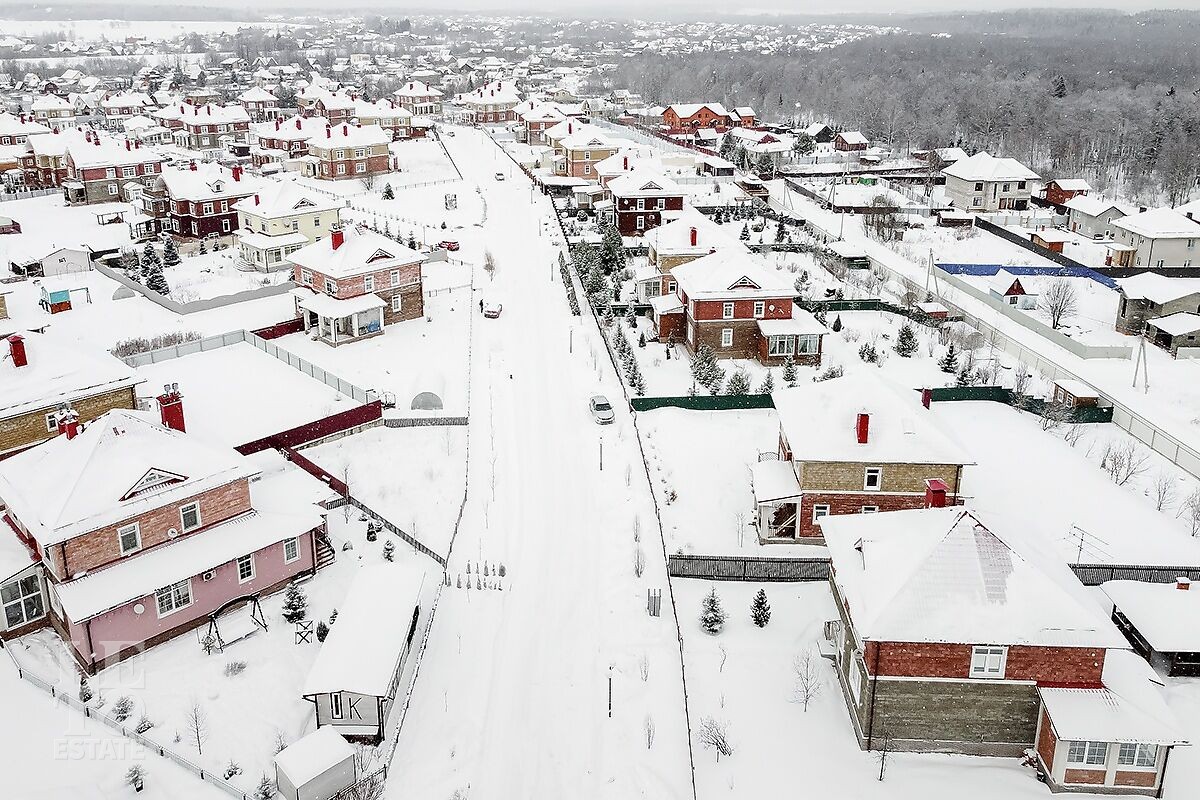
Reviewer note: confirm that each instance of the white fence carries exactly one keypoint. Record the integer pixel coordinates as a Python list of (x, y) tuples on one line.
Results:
[(195, 305), (234, 337), (27, 193)]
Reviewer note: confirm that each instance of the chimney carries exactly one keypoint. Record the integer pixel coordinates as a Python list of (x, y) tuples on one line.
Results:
[(298, 125), (1183, 584), (16, 349), (935, 493), (96, 141), (68, 423), (256, 201), (625, 163), (137, 145), (336, 237), (170, 408), (863, 427), (926, 397), (192, 166), (345, 130), (128, 146), (693, 237), (1188, 214), (237, 172)]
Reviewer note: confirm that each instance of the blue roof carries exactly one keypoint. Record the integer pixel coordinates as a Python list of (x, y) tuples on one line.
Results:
[(992, 269)]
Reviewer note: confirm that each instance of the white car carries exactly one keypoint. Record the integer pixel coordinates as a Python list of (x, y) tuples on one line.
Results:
[(493, 310), (602, 410), (499, 176)]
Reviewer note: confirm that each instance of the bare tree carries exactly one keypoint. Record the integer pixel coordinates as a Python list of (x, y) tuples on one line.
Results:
[(489, 264), (648, 727), (807, 679), (885, 754), (1190, 510), (1073, 433), (1123, 462), (1163, 490), (639, 561), (1021, 377), (1054, 414), (346, 480), (196, 724), (882, 218), (644, 667), (714, 735), (1060, 301)]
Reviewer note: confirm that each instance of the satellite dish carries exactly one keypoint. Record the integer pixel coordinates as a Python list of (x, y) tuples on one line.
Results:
[(138, 608), (172, 533)]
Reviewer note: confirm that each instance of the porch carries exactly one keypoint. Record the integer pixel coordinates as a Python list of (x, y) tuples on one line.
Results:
[(777, 499), (264, 253), (337, 322)]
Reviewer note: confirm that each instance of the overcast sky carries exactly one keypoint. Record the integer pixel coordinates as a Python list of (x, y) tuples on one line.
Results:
[(710, 7)]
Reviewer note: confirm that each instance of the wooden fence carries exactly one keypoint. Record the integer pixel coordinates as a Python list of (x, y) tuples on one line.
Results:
[(748, 568), (1096, 574)]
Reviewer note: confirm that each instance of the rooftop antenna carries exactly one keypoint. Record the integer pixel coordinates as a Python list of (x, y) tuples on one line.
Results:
[(1081, 539)]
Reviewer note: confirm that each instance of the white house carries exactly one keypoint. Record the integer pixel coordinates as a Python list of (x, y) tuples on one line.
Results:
[(1157, 238), (984, 183)]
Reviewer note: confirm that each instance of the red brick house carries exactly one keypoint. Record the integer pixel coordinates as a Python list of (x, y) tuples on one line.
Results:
[(349, 151), (494, 103), (198, 200), (260, 104), (953, 636), (689, 236), (880, 452), (210, 127), (106, 170), (137, 533), (353, 283), (419, 99), (336, 107), (740, 308), (1061, 190), (691, 116), (283, 139), (642, 201)]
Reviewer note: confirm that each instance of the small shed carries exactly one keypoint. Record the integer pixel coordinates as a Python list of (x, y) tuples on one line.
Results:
[(1008, 289), (950, 218), (850, 255), (316, 767), (1050, 238), (934, 310), (1161, 622), (1177, 333), (9, 225), (1074, 394)]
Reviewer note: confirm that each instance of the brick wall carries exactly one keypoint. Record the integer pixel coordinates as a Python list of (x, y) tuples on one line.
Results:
[(355, 285), (1046, 742), (1044, 665), (101, 547), (745, 337), (28, 429), (412, 304), (848, 503), (1095, 776), (848, 477), (714, 310), (1129, 778)]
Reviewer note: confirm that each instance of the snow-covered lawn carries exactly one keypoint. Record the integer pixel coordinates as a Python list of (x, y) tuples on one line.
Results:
[(236, 394), (202, 277), (1093, 319), (959, 246), (419, 161), (419, 355), (48, 223), (420, 491), (246, 713)]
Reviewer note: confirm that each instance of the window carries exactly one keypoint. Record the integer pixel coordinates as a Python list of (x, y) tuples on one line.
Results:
[(360, 167), (174, 597), (130, 538), (128, 172), (1191, 243), (873, 479), (335, 705), (760, 309), (360, 153), (395, 277), (727, 311), (641, 204), (1137, 755), (189, 516), (396, 301), (291, 550), (781, 345), (52, 422), (22, 601), (671, 287), (587, 169), (1020, 184), (869, 509), (112, 189), (727, 337), (976, 201), (819, 511), (854, 677), (245, 568), (662, 204), (341, 169), (225, 226), (208, 208), (369, 283), (306, 277), (340, 154), (110, 173), (330, 286), (988, 662), (641, 222), (979, 187), (1091, 753), (1005, 189), (808, 343)]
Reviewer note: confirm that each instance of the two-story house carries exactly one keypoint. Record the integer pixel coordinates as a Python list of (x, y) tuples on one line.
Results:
[(336, 107), (957, 636), (260, 104), (117, 107), (15, 129), (45, 161), (141, 532), (198, 200), (740, 308), (353, 283), (39, 377), (395, 120), (880, 451), (211, 127), (984, 183), (53, 111), (281, 140), (419, 99), (349, 151), (577, 154), (689, 236), (279, 219), (106, 170), (1160, 237), (690, 116), (494, 103), (643, 201), (1089, 215)]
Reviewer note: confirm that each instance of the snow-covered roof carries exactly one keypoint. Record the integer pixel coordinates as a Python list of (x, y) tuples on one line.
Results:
[(819, 421), (325, 306), (291, 129), (417, 89), (11, 125), (183, 558), (942, 575), (685, 110), (361, 251), (105, 151), (212, 114), (853, 137), (1166, 617), (675, 237), (380, 109), (55, 374), (1093, 206), (986, 167), (208, 181), (122, 464), (847, 249), (1180, 323), (1072, 184), (50, 102), (276, 199), (643, 184), (347, 135), (364, 646), (1129, 708), (1003, 281), (1160, 223), (256, 94), (802, 323), (1157, 288), (312, 755), (730, 274), (773, 480)]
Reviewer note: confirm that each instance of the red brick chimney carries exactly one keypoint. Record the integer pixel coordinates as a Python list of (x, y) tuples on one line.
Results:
[(256, 201), (935, 493), (693, 237), (298, 125), (16, 349), (68, 423), (345, 130), (236, 172), (192, 166), (336, 237), (863, 427), (170, 408), (328, 132), (1182, 583), (128, 146)]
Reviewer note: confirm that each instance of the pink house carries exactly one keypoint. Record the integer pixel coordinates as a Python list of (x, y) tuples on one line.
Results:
[(140, 532)]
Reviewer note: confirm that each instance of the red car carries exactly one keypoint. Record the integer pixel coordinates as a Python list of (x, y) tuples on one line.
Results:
[(449, 244)]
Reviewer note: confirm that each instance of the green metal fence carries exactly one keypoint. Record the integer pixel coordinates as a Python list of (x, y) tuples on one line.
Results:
[(872, 304), (723, 402), (1034, 405)]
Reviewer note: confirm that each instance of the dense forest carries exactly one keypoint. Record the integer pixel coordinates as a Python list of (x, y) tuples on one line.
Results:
[(1112, 97)]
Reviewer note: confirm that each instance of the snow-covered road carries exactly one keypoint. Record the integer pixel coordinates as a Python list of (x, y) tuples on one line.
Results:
[(512, 698)]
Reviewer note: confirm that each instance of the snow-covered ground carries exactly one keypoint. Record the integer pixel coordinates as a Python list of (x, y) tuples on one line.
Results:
[(48, 223), (1093, 321), (201, 277)]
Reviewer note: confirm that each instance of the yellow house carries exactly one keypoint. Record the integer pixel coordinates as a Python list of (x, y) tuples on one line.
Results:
[(280, 219)]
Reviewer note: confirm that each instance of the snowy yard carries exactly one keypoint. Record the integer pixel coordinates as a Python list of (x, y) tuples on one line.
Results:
[(420, 492), (236, 394), (202, 277), (48, 223), (1094, 317)]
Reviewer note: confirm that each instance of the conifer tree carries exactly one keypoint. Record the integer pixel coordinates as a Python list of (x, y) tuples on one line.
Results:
[(837, 324), (633, 374), (789, 371), (760, 609), (768, 384), (712, 616), (295, 604), (949, 362), (906, 341), (170, 256), (739, 383), (155, 280), (388, 194)]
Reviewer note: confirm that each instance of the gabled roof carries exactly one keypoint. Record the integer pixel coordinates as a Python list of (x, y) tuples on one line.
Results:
[(1005, 283), (67, 487), (208, 181), (643, 184), (1071, 184), (284, 199), (942, 575), (685, 110), (55, 374), (853, 137), (675, 237), (1160, 223), (1157, 288), (1093, 206), (986, 167), (361, 251), (730, 274)]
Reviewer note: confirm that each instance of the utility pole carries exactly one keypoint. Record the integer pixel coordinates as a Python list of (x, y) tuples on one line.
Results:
[(1141, 365), (602, 454)]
